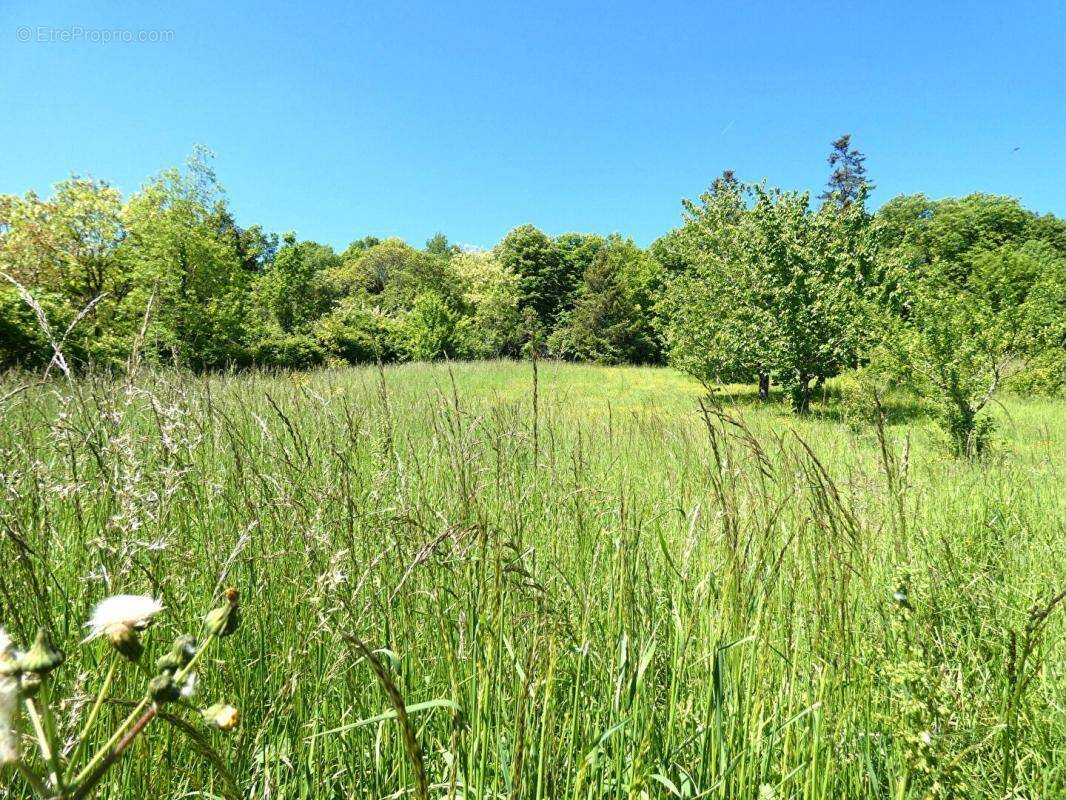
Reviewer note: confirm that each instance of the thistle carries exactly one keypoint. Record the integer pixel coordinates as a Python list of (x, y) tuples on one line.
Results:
[(179, 655), (163, 689)]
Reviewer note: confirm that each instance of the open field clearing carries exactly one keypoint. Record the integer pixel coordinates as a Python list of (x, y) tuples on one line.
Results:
[(618, 596)]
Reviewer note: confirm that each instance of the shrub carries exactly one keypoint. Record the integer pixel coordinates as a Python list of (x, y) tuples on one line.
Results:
[(435, 330), (289, 350), (359, 335)]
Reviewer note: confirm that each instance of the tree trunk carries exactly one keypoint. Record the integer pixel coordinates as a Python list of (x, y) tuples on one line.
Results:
[(764, 387), (963, 429), (801, 394)]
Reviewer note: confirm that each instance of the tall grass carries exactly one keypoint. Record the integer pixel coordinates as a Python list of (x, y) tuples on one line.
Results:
[(654, 595)]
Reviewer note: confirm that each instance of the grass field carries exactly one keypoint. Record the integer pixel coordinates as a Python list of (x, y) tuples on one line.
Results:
[(616, 597)]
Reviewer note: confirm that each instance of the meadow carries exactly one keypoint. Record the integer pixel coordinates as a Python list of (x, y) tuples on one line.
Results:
[(601, 584)]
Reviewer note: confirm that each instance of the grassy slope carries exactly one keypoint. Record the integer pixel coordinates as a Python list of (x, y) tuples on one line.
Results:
[(646, 606)]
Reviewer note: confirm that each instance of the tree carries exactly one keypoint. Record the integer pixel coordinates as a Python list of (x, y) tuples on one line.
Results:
[(952, 229), (434, 329), (716, 324), (775, 288), (394, 301), (725, 183), (360, 246), (438, 245), (576, 253), (848, 181), (490, 296), (66, 246), (23, 341), (610, 321), (531, 255), (291, 288), (392, 273), (359, 333), (972, 297), (188, 276)]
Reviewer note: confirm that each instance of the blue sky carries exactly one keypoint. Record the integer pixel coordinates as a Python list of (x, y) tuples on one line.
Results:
[(339, 120)]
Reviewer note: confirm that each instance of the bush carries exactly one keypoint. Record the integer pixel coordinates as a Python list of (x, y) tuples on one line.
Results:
[(435, 330), (359, 335), (1045, 375), (288, 350)]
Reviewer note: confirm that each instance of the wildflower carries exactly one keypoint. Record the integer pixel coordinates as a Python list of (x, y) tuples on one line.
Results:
[(119, 618), (222, 716), (116, 615), (222, 621)]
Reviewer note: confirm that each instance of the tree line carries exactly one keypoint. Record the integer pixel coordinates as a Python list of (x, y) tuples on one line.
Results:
[(757, 284)]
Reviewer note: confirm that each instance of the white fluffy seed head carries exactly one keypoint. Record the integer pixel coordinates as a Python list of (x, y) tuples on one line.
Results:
[(112, 614), (9, 703)]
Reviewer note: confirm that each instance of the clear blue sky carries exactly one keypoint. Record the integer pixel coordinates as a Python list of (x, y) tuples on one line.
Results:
[(339, 120)]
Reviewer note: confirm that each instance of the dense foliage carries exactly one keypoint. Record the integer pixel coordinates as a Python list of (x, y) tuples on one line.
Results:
[(953, 297)]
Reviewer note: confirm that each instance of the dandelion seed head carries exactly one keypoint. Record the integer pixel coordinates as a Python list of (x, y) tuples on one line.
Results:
[(114, 614)]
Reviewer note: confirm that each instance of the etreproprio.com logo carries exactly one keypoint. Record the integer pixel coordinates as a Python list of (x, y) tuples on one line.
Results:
[(45, 34)]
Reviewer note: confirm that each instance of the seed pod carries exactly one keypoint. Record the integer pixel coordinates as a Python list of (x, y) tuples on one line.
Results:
[(43, 657), (125, 639), (222, 716), (181, 653), (223, 621), (163, 689)]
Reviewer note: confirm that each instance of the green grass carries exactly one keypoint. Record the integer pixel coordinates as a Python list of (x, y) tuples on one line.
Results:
[(636, 601)]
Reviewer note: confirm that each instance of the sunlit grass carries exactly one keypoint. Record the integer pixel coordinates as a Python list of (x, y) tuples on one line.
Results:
[(644, 602)]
